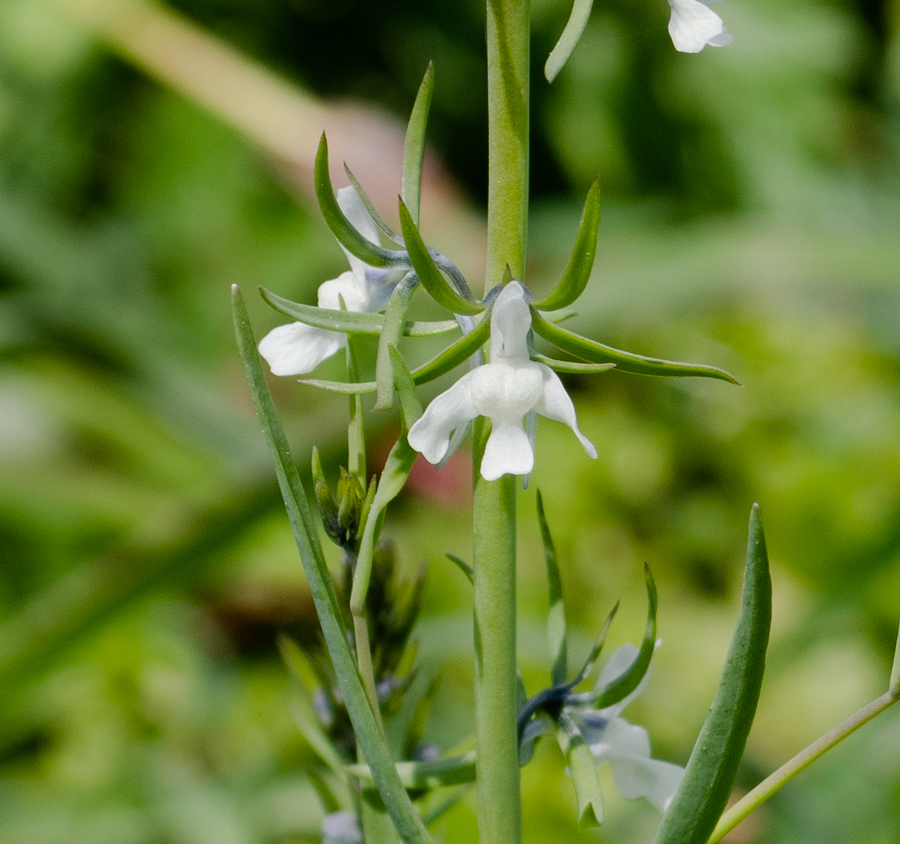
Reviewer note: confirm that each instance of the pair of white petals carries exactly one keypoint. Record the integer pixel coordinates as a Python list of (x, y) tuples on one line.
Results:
[(626, 747), (297, 348), (510, 391), (693, 25)]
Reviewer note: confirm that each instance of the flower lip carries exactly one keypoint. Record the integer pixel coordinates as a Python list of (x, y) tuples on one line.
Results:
[(508, 390), (693, 25)]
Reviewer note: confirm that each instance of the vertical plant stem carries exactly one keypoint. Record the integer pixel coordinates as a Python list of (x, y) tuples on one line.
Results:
[(496, 740), (508, 24), (499, 798)]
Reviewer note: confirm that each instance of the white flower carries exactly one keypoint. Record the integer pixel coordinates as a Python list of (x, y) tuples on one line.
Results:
[(693, 25), (625, 747), (506, 390), (297, 348)]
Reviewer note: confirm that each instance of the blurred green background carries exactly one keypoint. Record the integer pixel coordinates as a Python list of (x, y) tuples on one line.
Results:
[(751, 221)]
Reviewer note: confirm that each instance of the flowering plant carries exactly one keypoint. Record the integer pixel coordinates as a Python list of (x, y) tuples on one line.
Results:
[(365, 671)]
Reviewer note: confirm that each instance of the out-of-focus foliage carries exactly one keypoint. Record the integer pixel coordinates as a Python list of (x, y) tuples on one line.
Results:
[(751, 210)]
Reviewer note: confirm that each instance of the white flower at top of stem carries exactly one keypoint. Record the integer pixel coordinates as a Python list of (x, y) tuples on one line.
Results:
[(693, 25), (297, 348), (626, 747), (507, 390)]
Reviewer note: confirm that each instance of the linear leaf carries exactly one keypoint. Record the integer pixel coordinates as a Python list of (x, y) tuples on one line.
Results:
[(394, 320), (374, 749), (414, 145), (429, 274), (573, 367), (556, 615), (568, 41), (595, 352), (341, 227), (379, 221), (711, 770), (455, 770), (627, 682), (578, 271)]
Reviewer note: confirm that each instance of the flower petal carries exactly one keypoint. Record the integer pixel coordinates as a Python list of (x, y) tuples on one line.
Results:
[(556, 404), (346, 286), (296, 349), (693, 25), (644, 777), (507, 452), (430, 435), (510, 323)]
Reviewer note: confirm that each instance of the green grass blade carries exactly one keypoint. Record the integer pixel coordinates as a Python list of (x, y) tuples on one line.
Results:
[(578, 271), (414, 145), (365, 726), (711, 770)]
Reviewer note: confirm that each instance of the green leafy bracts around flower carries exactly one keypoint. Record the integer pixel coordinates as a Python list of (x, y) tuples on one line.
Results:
[(351, 322), (594, 352), (568, 41), (440, 364), (427, 270), (556, 614), (371, 742), (340, 226), (626, 683), (583, 770), (578, 271), (414, 145), (713, 765), (573, 367), (394, 320)]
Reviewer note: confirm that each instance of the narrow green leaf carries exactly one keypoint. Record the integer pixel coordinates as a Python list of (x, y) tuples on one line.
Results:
[(365, 726), (394, 320), (379, 221), (556, 614), (594, 655), (463, 566), (578, 271), (581, 11), (414, 145), (455, 770), (573, 367), (595, 352), (334, 320), (583, 770), (455, 354), (396, 470), (713, 765), (341, 228), (429, 274), (356, 428), (410, 405), (626, 683), (442, 363), (351, 322)]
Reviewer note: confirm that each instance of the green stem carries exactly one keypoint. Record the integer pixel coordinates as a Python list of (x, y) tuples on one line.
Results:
[(497, 783), (789, 770), (508, 24), (496, 741)]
